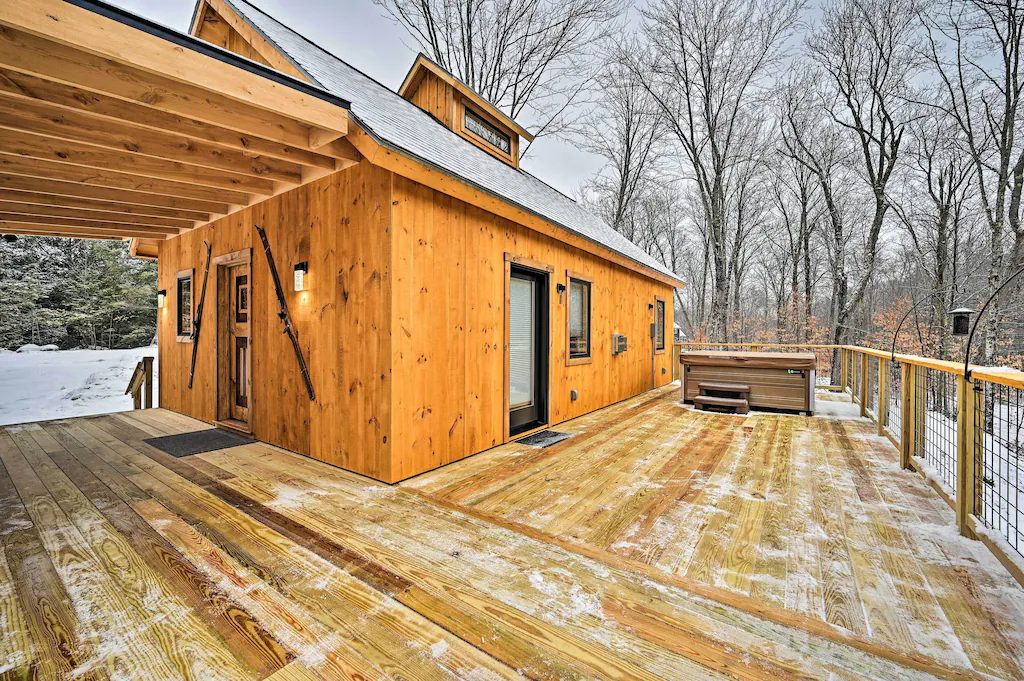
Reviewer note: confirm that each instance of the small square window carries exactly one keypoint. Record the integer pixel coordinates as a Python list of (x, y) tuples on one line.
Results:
[(579, 318), (183, 297)]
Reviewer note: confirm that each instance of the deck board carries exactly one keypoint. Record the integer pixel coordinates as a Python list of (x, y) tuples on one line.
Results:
[(657, 543)]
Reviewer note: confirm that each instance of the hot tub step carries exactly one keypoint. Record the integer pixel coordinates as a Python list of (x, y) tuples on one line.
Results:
[(738, 406)]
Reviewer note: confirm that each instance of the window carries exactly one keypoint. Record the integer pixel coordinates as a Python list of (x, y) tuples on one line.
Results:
[(183, 290), (579, 319), (659, 324), (475, 124)]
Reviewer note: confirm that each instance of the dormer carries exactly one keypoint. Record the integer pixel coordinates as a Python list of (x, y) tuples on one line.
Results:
[(459, 108)]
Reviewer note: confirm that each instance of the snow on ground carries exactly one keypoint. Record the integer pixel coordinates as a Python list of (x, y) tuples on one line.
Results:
[(39, 386)]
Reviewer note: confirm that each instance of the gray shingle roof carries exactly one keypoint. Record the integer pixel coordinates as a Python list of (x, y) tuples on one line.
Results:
[(402, 126)]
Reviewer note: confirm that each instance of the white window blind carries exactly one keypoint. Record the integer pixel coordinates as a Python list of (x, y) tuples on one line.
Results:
[(521, 340)]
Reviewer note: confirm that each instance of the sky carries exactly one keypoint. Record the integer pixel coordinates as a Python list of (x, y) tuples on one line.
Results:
[(359, 32)]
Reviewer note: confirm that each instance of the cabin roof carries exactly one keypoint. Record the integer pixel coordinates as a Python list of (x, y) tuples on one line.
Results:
[(403, 127)]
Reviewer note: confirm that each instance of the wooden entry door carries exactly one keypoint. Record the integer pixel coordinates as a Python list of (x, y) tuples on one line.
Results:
[(234, 343)]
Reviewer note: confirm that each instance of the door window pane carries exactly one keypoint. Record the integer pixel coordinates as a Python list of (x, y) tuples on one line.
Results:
[(659, 330), (579, 318), (521, 341)]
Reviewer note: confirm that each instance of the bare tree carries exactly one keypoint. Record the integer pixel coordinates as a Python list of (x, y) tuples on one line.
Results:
[(940, 169), (980, 73), (532, 57), (624, 130), (705, 65)]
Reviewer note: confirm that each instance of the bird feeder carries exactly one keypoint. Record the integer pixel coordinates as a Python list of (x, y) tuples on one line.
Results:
[(961, 321)]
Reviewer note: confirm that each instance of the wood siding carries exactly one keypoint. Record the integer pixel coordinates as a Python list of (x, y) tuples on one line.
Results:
[(340, 224), (449, 319), (404, 282)]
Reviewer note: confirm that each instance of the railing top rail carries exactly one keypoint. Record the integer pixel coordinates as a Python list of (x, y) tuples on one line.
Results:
[(1007, 377)]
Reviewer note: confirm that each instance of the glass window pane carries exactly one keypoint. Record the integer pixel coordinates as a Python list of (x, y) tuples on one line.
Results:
[(185, 306), (521, 332), (579, 318), (659, 333)]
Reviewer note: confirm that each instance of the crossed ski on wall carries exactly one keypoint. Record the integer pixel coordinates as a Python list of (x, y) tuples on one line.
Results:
[(285, 316), (198, 323)]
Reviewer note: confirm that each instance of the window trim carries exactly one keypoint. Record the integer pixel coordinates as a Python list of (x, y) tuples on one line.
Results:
[(664, 343), (510, 157), (190, 275), (589, 281)]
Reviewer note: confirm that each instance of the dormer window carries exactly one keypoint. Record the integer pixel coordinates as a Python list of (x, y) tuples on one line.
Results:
[(457, 107), (475, 124)]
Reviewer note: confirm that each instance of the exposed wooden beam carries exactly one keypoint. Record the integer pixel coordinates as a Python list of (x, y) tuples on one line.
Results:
[(66, 97), (111, 195), (34, 167), (344, 151), (72, 126), (7, 229), (49, 221), (90, 205), (23, 143), (319, 138), (35, 210), (109, 39), (15, 227), (26, 53)]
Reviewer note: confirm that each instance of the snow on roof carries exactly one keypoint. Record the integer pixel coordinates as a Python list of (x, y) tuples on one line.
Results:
[(404, 127)]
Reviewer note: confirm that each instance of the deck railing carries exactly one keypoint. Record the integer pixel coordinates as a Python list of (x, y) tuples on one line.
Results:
[(965, 435), (140, 386)]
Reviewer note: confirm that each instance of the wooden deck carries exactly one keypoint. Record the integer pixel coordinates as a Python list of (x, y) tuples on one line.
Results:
[(657, 543)]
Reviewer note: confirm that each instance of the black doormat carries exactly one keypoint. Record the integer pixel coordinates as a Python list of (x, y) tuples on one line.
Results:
[(544, 438), (197, 442)]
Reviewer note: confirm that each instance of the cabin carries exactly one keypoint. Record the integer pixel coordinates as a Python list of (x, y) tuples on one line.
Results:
[(442, 300)]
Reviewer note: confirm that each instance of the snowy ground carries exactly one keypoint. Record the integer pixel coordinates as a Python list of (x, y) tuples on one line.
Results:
[(39, 386)]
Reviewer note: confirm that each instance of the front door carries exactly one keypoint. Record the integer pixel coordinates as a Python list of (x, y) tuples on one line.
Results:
[(235, 389), (528, 349)]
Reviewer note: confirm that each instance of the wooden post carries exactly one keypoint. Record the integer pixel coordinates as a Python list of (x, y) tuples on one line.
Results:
[(844, 370), (907, 428), (864, 364), (883, 394), (968, 396), (148, 367)]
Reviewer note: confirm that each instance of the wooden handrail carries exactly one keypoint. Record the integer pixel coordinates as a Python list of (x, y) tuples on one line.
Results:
[(140, 385)]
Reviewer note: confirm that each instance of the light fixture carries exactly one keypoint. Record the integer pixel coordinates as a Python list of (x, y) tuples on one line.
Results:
[(161, 298), (301, 272), (961, 321)]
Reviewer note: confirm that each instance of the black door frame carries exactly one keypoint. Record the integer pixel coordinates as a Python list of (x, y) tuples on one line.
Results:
[(536, 416)]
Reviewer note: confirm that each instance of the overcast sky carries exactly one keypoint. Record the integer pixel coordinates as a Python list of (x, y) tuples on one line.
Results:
[(358, 32)]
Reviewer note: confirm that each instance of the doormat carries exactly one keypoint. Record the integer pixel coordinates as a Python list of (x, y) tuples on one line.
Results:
[(197, 442), (544, 438)]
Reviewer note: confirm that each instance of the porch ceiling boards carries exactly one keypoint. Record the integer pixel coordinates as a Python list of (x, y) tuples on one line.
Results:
[(114, 127)]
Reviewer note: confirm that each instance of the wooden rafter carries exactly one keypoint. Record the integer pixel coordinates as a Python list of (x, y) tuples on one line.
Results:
[(122, 178), (37, 211), (139, 197), (65, 97), (111, 126), (87, 206), (73, 126)]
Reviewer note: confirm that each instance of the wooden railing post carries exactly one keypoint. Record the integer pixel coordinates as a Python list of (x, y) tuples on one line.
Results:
[(882, 409), (864, 364), (148, 368), (907, 429), (968, 396), (844, 370)]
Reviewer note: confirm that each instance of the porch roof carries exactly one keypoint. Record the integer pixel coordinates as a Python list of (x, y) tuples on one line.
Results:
[(114, 127)]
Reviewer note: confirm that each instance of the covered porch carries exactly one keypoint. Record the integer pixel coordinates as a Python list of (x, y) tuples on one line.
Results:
[(655, 543)]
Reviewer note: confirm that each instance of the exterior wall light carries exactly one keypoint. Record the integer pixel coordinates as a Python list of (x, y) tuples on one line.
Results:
[(301, 276), (961, 321), (161, 298)]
